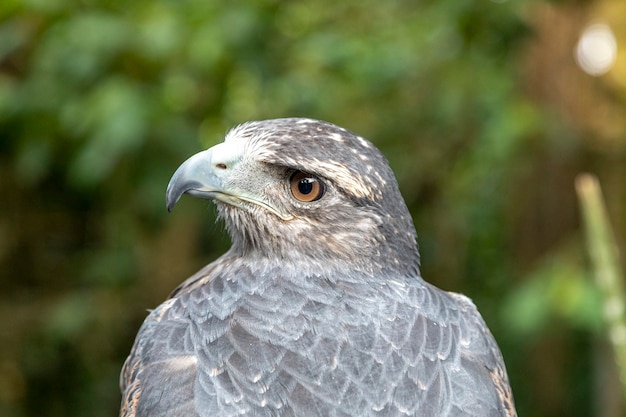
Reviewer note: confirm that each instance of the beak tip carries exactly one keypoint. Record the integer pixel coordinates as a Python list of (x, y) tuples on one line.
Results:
[(173, 193), (171, 198)]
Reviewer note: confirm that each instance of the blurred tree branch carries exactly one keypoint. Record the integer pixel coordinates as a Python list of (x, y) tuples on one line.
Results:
[(606, 267)]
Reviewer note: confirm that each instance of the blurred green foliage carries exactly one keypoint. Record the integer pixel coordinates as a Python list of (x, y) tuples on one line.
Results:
[(100, 100)]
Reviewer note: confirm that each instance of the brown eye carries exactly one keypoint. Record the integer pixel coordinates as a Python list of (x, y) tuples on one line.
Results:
[(305, 187)]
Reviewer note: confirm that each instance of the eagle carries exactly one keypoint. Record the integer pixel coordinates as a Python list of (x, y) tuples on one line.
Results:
[(318, 308)]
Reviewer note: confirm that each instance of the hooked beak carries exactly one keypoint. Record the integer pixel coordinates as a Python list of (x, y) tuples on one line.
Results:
[(196, 177)]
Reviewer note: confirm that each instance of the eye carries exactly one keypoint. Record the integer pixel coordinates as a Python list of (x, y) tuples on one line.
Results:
[(305, 187)]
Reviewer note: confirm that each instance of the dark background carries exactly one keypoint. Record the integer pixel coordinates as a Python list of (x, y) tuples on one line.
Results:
[(480, 106)]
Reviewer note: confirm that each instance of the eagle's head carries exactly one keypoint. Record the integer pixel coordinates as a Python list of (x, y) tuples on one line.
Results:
[(304, 191)]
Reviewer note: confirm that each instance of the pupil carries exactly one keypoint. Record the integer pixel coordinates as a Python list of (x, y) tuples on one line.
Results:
[(305, 186)]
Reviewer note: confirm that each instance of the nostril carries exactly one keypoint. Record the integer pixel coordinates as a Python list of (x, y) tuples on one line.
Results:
[(221, 166)]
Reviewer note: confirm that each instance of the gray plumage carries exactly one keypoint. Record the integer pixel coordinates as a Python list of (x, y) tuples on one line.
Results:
[(318, 308)]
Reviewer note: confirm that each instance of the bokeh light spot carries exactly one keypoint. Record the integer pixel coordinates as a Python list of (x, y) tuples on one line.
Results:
[(596, 50)]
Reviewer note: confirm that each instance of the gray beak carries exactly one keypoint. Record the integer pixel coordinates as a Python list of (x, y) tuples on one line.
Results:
[(196, 176)]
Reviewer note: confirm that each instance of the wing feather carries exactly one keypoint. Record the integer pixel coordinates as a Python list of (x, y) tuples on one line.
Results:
[(158, 377), (302, 352)]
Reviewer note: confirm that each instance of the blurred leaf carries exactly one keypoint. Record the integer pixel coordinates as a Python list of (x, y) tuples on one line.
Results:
[(115, 118), (72, 315), (559, 288), (82, 46), (33, 160), (160, 30)]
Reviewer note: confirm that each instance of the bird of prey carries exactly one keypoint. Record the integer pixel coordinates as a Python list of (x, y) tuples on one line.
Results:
[(318, 308)]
